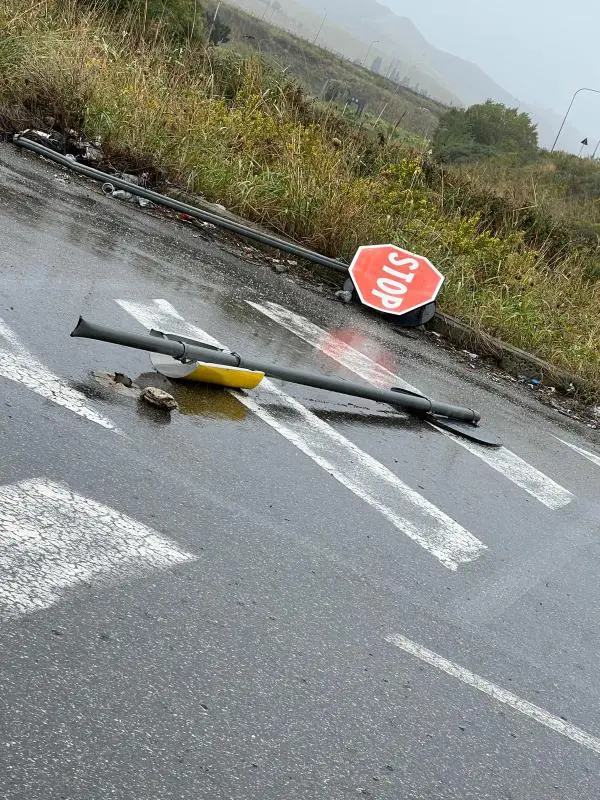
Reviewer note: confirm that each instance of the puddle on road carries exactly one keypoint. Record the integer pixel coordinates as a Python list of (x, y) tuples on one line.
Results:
[(209, 403), (349, 339), (216, 403), (197, 400), (373, 419)]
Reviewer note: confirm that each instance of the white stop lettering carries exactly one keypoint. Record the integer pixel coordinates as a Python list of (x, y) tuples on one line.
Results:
[(391, 290), (411, 263), (391, 287)]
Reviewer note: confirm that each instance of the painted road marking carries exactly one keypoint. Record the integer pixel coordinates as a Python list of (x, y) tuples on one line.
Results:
[(497, 693), (585, 453), (17, 364), (406, 509), (335, 348), (52, 539), (507, 463)]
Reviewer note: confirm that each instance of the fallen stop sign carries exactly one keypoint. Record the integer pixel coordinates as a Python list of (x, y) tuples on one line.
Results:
[(393, 280)]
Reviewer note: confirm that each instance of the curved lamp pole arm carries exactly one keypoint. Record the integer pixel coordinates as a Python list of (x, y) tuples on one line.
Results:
[(560, 130)]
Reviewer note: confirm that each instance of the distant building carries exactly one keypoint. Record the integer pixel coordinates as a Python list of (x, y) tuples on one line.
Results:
[(376, 65)]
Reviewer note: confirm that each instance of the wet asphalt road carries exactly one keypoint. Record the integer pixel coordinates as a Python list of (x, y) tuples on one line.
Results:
[(258, 668)]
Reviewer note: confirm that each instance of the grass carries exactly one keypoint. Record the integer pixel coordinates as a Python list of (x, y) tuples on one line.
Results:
[(238, 130)]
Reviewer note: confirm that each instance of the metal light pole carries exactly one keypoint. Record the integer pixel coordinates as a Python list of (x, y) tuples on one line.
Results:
[(595, 150), (320, 28), (583, 89), (180, 350), (214, 22), (376, 41)]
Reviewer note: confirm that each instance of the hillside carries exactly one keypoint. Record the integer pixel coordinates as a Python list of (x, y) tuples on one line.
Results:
[(349, 41), (325, 74), (372, 28)]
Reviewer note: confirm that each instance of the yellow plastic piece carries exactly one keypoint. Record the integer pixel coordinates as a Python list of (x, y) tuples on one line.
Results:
[(232, 377)]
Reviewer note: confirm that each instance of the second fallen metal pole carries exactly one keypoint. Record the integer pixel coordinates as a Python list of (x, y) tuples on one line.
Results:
[(183, 208)]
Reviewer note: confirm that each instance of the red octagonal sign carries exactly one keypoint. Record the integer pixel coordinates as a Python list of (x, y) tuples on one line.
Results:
[(393, 280)]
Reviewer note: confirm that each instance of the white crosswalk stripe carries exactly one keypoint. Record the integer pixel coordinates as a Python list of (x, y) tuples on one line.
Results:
[(595, 459), (503, 460), (497, 694), (17, 364), (53, 540), (406, 509)]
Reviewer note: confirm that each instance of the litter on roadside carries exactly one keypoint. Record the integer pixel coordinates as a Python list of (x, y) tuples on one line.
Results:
[(70, 144), (121, 194)]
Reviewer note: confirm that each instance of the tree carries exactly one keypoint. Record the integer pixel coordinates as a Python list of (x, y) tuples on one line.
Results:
[(495, 125), (483, 130)]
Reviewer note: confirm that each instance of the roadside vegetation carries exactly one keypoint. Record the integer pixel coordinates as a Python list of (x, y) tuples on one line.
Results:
[(514, 230)]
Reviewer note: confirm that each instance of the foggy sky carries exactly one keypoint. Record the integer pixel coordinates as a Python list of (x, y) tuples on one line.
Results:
[(540, 51)]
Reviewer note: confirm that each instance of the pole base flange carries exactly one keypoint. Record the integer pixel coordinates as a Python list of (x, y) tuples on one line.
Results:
[(465, 429)]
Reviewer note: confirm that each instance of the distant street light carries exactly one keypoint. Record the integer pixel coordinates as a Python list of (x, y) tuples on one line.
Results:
[(320, 28), (583, 89), (376, 41), (214, 21), (595, 150)]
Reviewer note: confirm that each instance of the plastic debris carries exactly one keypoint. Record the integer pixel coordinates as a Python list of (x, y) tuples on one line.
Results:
[(138, 180), (120, 194), (69, 143), (93, 152), (77, 149)]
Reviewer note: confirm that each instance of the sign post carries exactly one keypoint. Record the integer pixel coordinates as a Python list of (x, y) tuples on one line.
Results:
[(392, 280)]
